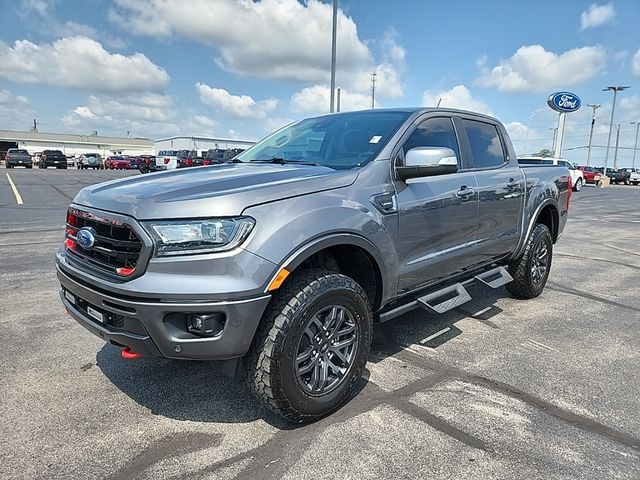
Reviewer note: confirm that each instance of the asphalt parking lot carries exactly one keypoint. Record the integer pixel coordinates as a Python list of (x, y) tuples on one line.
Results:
[(497, 388)]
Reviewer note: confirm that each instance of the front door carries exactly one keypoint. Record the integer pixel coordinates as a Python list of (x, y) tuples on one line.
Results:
[(437, 215)]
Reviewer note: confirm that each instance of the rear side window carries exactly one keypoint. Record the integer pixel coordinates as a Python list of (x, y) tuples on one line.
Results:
[(486, 146), (433, 132)]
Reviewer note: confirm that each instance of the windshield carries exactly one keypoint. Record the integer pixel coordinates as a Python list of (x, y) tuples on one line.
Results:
[(342, 141)]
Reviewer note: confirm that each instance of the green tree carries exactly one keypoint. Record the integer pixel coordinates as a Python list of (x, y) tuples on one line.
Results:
[(545, 152)]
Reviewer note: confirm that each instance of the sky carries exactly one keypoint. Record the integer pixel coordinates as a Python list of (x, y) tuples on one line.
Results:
[(242, 68)]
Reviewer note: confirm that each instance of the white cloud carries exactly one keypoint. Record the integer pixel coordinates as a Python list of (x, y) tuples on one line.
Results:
[(239, 106), (315, 100), (597, 15), (280, 39), (80, 62), (630, 103), (272, 124), (145, 114), (534, 69), (205, 121), (456, 97), (635, 63), (39, 7), (15, 110)]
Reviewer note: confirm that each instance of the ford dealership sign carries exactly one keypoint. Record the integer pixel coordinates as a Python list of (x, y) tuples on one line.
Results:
[(564, 102)]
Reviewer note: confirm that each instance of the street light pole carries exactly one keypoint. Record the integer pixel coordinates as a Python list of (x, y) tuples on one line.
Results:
[(615, 91), (333, 55), (594, 107), (635, 146), (615, 152)]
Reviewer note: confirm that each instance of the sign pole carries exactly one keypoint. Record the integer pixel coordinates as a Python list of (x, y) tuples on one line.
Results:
[(562, 117)]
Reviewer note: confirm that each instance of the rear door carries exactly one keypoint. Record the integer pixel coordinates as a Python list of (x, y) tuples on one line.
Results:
[(437, 215), (501, 187)]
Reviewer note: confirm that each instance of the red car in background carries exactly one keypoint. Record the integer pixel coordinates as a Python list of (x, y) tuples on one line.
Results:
[(591, 175), (117, 162)]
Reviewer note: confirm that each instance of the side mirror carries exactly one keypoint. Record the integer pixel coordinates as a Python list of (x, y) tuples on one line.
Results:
[(427, 161)]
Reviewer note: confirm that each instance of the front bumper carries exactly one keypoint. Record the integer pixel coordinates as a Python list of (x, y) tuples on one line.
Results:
[(158, 328)]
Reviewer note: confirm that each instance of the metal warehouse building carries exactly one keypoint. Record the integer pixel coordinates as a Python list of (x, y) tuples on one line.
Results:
[(199, 143), (73, 145)]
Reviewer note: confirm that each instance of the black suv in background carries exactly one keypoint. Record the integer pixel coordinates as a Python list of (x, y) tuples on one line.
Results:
[(17, 157), (53, 158), (220, 155)]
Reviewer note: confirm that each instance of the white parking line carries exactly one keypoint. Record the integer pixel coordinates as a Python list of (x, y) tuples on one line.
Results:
[(15, 191)]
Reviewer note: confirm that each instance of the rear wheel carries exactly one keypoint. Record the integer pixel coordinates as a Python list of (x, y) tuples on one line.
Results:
[(578, 186), (311, 346), (531, 271)]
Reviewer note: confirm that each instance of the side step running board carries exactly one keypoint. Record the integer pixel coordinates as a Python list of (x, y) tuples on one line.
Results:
[(495, 277), (447, 299), (450, 297)]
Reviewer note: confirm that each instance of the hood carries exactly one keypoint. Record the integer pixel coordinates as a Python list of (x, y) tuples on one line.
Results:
[(218, 190)]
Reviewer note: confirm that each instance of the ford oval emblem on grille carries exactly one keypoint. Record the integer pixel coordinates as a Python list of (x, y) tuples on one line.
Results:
[(86, 238)]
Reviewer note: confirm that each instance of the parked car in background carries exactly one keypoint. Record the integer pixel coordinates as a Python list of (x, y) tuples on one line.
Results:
[(185, 158), (134, 162), (117, 162), (17, 157), (577, 176), (35, 158), (90, 160), (53, 158), (147, 164), (591, 174), (215, 156), (617, 176), (167, 160), (634, 175), (71, 160)]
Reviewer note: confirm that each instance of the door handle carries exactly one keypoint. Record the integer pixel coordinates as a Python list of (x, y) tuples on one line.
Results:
[(511, 184), (465, 192)]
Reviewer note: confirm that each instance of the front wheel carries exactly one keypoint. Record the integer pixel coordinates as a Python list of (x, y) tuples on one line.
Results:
[(531, 271), (578, 186), (311, 346)]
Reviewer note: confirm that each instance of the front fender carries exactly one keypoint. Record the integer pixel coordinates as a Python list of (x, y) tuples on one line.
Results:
[(289, 231)]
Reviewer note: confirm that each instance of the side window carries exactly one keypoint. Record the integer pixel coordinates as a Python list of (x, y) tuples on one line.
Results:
[(433, 132), (486, 147)]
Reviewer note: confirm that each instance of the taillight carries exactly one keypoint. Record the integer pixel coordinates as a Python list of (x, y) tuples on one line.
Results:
[(569, 191), (167, 160)]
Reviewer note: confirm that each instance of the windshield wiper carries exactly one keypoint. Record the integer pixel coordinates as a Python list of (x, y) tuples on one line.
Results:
[(283, 161)]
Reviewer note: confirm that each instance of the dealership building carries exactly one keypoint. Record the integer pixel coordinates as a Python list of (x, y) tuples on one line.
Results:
[(200, 143), (73, 145)]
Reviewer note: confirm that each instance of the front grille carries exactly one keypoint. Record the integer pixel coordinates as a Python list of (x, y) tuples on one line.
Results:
[(116, 249)]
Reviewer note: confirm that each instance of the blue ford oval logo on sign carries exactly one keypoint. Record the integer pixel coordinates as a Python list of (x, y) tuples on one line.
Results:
[(85, 238), (564, 102)]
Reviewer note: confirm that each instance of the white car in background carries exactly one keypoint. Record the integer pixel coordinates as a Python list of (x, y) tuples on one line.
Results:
[(577, 177), (167, 159)]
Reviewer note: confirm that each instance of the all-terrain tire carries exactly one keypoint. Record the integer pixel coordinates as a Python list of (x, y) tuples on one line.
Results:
[(525, 284), (270, 370)]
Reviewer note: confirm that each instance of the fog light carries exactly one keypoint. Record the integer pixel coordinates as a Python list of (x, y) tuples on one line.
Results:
[(206, 325)]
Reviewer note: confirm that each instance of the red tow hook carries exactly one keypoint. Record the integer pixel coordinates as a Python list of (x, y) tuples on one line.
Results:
[(129, 354)]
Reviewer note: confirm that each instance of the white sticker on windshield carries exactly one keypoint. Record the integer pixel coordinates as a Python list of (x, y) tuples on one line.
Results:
[(375, 139)]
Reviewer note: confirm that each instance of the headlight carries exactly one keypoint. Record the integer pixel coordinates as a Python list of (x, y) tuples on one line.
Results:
[(188, 237)]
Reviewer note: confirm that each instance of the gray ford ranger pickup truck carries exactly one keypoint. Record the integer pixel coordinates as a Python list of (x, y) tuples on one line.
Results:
[(278, 263)]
